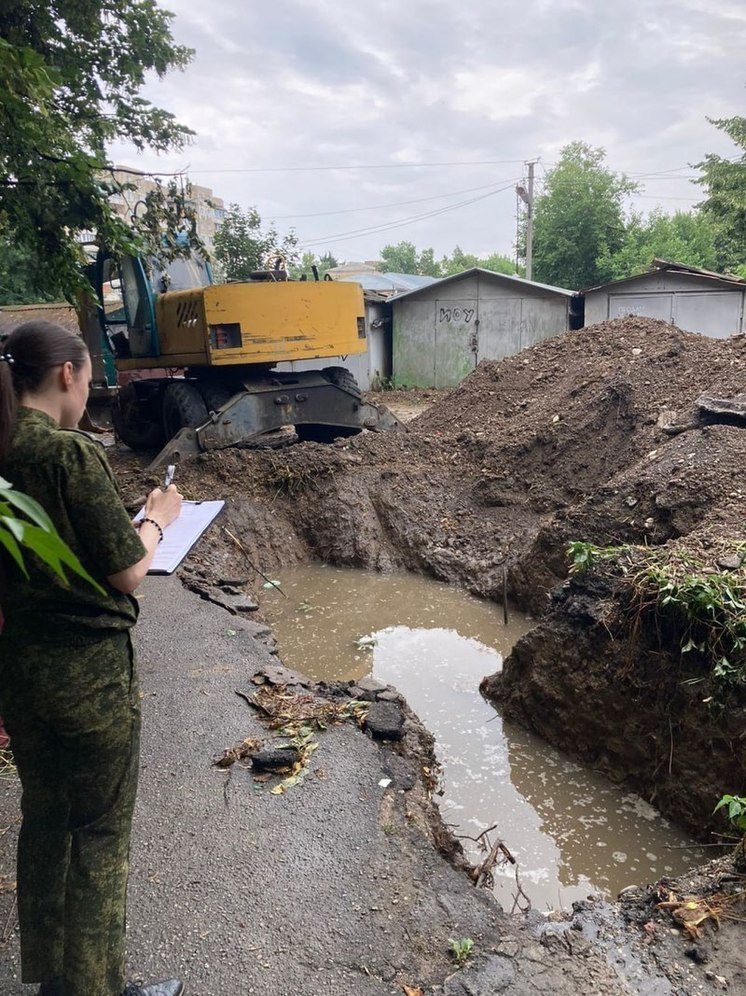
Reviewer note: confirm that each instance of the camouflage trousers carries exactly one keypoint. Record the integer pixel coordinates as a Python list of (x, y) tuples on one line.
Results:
[(73, 715)]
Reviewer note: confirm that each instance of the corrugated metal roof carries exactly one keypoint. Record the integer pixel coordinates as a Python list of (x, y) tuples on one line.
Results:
[(496, 276), (665, 265), (388, 283)]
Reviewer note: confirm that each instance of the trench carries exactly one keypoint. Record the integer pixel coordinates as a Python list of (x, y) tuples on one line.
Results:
[(572, 831)]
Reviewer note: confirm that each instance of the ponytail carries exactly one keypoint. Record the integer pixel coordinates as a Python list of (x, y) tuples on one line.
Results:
[(27, 355)]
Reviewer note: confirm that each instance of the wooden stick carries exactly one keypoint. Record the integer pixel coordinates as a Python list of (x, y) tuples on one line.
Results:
[(241, 547)]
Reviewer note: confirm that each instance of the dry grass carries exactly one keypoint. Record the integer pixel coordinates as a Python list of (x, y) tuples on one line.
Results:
[(693, 911), (8, 770)]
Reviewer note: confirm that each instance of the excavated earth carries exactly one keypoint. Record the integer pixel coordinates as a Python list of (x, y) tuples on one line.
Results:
[(592, 436)]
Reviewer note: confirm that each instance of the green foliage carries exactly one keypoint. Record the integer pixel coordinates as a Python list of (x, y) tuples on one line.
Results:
[(724, 180), (459, 261), (241, 245), (683, 237), (736, 805), (71, 73), (584, 556), (33, 530), (579, 219), (18, 280), (706, 607), (406, 258), (713, 608), (461, 950), (304, 268)]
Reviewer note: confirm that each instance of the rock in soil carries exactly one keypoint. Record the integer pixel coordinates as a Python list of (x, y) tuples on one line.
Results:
[(385, 721)]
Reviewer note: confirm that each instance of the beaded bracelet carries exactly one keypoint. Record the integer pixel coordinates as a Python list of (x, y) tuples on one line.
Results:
[(153, 523)]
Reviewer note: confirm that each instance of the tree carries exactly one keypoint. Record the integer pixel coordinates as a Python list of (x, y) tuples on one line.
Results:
[(400, 258), (579, 219), (683, 237), (71, 72), (724, 181), (241, 246), (308, 260), (406, 258), (18, 282), (327, 262), (460, 261)]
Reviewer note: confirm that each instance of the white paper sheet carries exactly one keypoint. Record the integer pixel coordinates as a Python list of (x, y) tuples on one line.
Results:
[(182, 534)]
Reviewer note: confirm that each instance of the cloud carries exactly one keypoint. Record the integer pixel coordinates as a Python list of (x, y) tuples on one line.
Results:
[(312, 82)]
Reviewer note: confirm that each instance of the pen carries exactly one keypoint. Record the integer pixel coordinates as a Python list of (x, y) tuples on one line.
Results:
[(170, 472)]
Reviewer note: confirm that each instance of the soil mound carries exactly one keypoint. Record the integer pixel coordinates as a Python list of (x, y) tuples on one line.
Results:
[(567, 440)]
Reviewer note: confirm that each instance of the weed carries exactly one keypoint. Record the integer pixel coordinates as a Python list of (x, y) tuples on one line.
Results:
[(390, 829), (736, 810), (705, 606), (461, 950)]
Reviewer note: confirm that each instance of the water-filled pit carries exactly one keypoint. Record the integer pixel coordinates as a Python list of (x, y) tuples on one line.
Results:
[(572, 831)]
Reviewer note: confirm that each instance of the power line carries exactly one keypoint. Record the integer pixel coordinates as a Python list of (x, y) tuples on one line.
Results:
[(381, 207), (318, 169), (374, 230)]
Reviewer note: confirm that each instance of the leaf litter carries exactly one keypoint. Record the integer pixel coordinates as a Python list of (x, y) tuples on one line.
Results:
[(295, 717)]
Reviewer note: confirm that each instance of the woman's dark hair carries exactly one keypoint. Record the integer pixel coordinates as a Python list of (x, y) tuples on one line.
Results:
[(27, 355)]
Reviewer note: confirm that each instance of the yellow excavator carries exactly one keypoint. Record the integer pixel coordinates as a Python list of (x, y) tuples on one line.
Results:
[(196, 360)]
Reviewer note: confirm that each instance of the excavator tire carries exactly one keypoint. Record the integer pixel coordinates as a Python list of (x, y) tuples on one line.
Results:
[(341, 377), (183, 407), (132, 423), (216, 395)]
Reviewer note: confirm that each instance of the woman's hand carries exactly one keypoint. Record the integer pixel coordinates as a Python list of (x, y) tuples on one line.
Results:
[(163, 506)]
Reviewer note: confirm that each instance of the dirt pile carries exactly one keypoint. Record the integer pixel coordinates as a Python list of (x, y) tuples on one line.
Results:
[(567, 440)]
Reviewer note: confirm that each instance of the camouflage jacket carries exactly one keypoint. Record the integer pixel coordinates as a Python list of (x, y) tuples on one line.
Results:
[(67, 473)]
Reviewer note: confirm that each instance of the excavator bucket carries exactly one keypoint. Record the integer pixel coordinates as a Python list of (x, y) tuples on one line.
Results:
[(315, 406)]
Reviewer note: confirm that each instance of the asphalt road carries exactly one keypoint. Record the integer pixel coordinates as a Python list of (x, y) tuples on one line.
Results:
[(239, 891)]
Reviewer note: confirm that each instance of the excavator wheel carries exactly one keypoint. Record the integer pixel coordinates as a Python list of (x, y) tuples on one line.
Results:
[(183, 407), (216, 395), (341, 377), (133, 421)]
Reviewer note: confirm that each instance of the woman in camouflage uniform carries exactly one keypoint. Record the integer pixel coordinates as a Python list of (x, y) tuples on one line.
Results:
[(68, 684)]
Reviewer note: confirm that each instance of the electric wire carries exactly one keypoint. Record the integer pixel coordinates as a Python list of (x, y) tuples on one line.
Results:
[(386, 226), (381, 207)]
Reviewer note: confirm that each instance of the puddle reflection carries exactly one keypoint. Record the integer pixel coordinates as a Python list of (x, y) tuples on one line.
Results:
[(572, 831)]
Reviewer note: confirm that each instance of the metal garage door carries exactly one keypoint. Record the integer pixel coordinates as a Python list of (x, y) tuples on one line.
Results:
[(499, 328), (455, 340), (713, 313), (650, 305)]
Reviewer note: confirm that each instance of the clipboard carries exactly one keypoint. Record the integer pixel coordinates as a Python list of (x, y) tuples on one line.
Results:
[(182, 534)]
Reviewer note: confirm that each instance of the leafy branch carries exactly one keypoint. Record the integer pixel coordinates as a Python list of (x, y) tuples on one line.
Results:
[(33, 530)]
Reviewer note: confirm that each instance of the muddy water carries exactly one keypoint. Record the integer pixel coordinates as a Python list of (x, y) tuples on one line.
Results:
[(572, 831)]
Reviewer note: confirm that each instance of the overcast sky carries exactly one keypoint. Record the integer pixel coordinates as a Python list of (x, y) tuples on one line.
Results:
[(315, 83)]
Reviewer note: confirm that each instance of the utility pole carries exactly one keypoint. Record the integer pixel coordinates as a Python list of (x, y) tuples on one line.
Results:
[(530, 222), (527, 196)]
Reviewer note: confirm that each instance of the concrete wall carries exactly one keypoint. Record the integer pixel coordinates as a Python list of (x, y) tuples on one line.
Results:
[(442, 332), (368, 368), (694, 303)]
